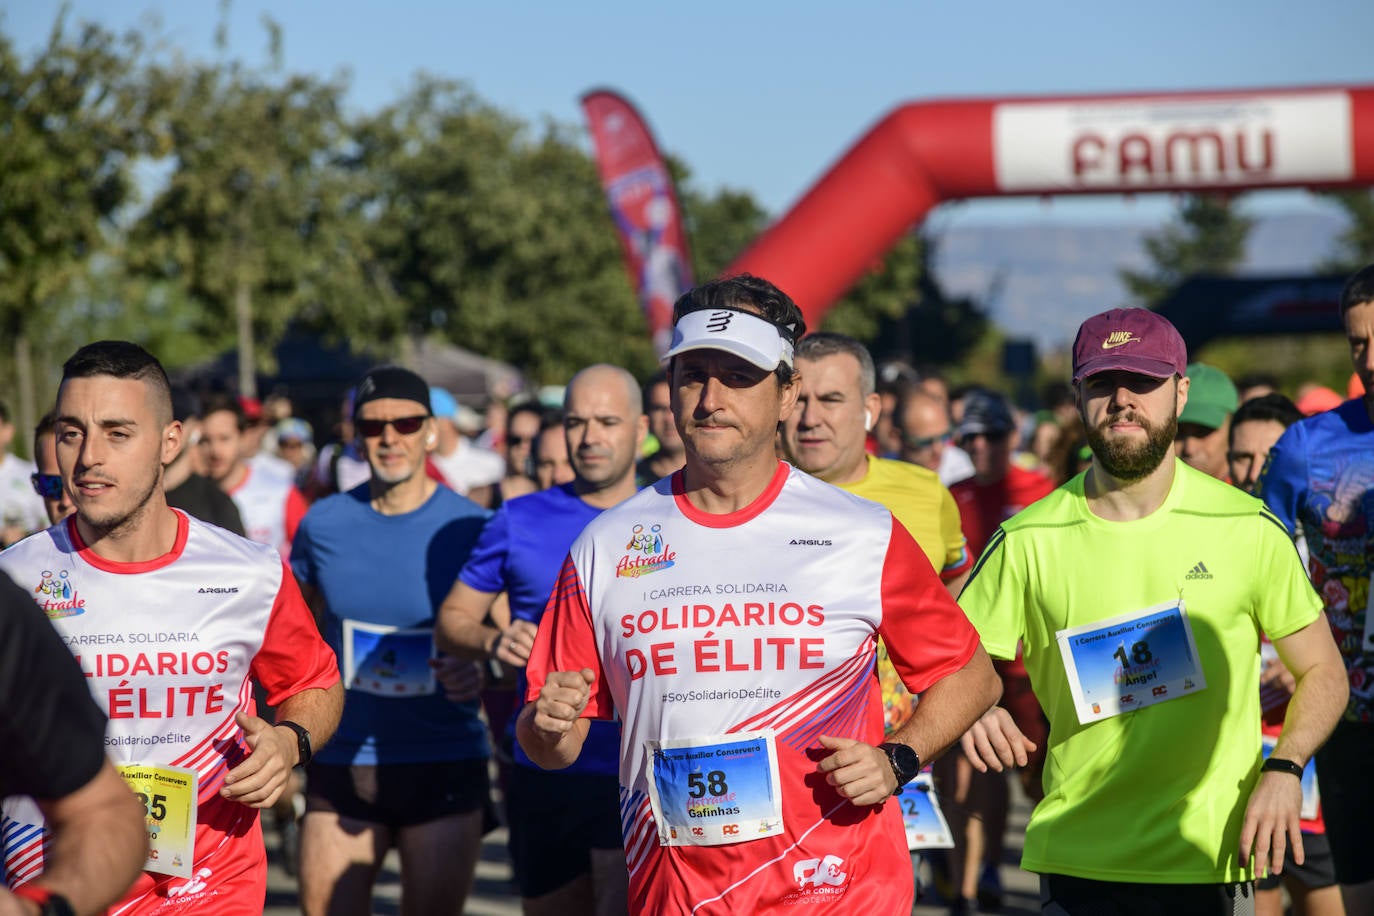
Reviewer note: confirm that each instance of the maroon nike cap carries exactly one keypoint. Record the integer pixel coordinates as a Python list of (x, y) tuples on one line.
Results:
[(1129, 340)]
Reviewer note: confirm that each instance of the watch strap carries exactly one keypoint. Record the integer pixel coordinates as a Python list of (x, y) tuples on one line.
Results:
[(1279, 765), (49, 903), (303, 746)]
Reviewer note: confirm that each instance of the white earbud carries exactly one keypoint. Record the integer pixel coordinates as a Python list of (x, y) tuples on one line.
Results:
[(432, 441), (868, 420)]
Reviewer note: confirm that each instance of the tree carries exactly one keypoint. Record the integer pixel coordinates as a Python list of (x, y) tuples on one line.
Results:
[(72, 120), (1356, 243), (1208, 237), (497, 240), (902, 312), (253, 222)]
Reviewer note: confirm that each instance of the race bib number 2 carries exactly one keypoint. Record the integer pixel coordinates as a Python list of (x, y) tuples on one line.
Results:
[(714, 790), (169, 798), (1131, 661)]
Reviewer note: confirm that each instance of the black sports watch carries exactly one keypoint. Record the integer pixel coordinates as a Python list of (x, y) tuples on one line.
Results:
[(906, 763), (1279, 765), (302, 740), (57, 905)]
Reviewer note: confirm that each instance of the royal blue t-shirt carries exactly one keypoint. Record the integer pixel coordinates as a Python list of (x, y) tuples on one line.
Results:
[(521, 552), (1320, 474), (378, 573)]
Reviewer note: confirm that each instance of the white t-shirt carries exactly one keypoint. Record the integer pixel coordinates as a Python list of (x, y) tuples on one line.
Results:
[(168, 647), (469, 466), (270, 507), (704, 625), (19, 505)]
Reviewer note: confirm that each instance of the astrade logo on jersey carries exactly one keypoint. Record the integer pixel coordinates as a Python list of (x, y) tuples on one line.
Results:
[(58, 597), (646, 552)]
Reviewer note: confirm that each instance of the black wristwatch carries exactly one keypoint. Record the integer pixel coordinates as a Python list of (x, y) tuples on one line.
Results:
[(57, 905), (302, 740), (906, 763)]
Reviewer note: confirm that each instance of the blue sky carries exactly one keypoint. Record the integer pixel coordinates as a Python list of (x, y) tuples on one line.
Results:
[(764, 96)]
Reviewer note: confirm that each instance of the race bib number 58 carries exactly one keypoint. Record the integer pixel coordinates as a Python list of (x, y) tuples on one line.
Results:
[(713, 790)]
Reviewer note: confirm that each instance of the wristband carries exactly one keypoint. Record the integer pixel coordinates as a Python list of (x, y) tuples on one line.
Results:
[(1279, 765)]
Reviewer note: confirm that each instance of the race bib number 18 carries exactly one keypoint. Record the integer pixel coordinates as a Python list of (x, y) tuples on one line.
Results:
[(715, 790), (1131, 661), (169, 798)]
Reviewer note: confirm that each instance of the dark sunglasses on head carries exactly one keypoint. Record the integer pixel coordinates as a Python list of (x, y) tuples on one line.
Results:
[(48, 486), (406, 426)]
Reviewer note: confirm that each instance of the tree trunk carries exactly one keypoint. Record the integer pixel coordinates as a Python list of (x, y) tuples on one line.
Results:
[(243, 314), (25, 411)]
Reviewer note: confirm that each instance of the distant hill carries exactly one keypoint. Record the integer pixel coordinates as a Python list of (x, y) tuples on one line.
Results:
[(1053, 275)]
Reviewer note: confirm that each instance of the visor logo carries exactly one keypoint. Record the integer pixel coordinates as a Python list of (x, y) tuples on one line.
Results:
[(719, 321)]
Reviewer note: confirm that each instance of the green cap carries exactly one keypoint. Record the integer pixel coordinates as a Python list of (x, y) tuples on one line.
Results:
[(1212, 396)]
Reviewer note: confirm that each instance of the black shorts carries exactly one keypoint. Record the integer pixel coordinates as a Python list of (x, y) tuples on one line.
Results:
[(1061, 895), (555, 820), (1316, 871), (398, 795), (1348, 799)]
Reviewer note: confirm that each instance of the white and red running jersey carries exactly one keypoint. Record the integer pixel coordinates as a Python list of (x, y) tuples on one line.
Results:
[(271, 508), (169, 647), (719, 628)]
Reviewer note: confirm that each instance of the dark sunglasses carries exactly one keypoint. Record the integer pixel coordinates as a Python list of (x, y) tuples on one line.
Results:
[(520, 440), (48, 486), (912, 442), (996, 438), (406, 426)]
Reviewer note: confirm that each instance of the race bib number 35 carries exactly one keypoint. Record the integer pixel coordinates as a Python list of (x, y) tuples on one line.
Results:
[(714, 790), (1131, 661), (169, 797)]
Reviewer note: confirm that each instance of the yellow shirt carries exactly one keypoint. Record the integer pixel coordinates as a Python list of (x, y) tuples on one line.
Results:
[(917, 499)]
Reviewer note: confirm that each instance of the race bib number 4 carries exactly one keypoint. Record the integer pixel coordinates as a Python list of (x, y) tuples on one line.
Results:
[(169, 798), (1131, 661), (714, 790), (388, 661)]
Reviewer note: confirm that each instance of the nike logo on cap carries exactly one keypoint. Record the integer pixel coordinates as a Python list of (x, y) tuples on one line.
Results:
[(1118, 339)]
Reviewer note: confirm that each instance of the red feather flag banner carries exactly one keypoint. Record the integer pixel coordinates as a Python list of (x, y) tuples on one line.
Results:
[(644, 206)]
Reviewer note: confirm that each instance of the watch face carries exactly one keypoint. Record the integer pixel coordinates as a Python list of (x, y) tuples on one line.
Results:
[(904, 760)]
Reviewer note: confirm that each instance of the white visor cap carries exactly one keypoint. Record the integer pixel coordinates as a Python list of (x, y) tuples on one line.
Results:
[(744, 334)]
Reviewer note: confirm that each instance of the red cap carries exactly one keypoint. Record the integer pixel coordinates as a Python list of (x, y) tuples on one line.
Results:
[(1129, 340), (251, 407)]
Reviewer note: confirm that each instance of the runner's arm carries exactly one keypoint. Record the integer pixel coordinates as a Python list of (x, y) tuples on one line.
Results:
[(551, 730), (1323, 689), (99, 842)]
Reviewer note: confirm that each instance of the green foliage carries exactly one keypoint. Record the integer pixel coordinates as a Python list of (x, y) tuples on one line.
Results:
[(1208, 237), (496, 239), (901, 311), (253, 212), (71, 123), (1356, 243)]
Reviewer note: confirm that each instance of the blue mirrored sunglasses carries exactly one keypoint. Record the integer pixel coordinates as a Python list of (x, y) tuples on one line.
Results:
[(48, 486)]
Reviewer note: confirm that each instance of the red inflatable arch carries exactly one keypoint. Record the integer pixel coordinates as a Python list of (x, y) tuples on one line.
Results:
[(925, 153)]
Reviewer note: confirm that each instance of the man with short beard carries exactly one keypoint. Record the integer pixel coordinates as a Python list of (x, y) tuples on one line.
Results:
[(1139, 590)]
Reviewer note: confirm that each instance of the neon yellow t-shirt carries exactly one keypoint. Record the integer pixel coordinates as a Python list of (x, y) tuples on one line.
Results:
[(917, 499), (1156, 794)]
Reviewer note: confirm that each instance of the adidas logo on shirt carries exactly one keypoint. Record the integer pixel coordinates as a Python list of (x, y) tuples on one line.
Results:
[(1198, 572)]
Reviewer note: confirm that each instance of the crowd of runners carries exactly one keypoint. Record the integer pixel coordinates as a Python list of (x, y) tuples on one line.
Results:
[(772, 628)]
